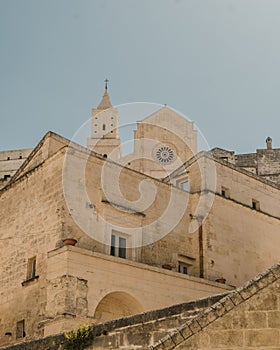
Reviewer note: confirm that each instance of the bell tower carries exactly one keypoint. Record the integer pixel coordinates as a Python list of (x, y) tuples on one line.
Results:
[(104, 137)]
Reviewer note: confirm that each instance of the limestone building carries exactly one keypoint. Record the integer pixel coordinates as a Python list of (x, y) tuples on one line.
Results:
[(88, 236)]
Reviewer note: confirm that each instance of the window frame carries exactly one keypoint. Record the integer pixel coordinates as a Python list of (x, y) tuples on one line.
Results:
[(20, 329), (184, 268), (31, 268), (31, 271), (119, 245), (256, 204), (225, 192), (183, 183)]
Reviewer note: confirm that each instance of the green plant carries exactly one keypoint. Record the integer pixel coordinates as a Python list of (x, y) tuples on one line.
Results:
[(77, 339)]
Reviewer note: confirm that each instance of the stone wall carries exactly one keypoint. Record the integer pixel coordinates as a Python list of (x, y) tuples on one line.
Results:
[(247, 318), (247, 160), (137, 206), (227, 156), (129, 332), (265, 163), (99, 287), (234, 232), (10, 161), (31, 225), (35, 219)]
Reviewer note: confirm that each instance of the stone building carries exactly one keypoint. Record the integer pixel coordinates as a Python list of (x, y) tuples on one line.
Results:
[(89, 236), (265, 162), (10, 162)]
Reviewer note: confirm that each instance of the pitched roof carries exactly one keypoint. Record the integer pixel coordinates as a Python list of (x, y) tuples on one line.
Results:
[(105, 102)]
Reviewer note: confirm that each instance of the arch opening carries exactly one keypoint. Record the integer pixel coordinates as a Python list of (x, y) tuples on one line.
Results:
[(116, 305)]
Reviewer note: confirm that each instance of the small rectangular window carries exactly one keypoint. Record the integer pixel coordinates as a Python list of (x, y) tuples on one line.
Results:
[(20, 331), (118, 246), (183, 183), (255, 204), (225, 192), (185, 186), (122, 247), (31, 268), (183, 268), (113, 245)]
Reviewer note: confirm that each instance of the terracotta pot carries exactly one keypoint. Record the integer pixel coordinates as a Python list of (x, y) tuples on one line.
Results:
[(69, 241), (221, 280), (167, 267)]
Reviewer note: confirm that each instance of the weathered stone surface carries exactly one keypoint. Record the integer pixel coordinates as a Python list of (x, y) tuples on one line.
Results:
[(225, 338), (253, 323), (139, 330), (185, 331), (273, 319), (10, 162), (263, 337), (177, 337), (85, 284), (252, 319), (70, 284)]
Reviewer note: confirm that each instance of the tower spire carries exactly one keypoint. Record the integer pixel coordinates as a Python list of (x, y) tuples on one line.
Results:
[(105, 103)]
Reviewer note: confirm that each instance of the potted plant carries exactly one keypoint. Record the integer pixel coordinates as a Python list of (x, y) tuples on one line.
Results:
[(69, 241), (221, 280), (167, 267)]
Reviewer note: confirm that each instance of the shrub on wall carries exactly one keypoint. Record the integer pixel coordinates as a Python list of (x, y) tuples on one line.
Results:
[(77, 339)]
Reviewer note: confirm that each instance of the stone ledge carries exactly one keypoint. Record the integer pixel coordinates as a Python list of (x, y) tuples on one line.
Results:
[(29, 281), (136, 264)]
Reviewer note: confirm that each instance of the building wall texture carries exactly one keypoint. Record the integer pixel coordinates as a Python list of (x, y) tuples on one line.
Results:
[(247, 318), (183, 244)]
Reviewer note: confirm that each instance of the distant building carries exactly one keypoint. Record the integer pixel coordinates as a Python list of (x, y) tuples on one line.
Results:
[(265, 162)]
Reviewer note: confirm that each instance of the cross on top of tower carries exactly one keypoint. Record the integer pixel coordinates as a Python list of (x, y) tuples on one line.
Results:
[(106, 84)]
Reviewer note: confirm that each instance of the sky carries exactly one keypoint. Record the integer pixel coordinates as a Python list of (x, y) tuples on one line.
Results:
[(215, 61)]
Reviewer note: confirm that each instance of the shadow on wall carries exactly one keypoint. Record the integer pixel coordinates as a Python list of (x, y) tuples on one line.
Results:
[(116, 305)]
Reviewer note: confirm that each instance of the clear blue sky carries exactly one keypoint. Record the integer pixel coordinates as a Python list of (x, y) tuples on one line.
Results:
[(216, 61)]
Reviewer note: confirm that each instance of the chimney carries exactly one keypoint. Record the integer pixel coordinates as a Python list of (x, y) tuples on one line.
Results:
[(268, 143)]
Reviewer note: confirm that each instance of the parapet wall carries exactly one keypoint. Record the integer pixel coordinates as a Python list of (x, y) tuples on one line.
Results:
[(139, 330)]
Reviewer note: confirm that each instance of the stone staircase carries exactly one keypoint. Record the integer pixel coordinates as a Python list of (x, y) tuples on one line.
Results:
[(142, 330)]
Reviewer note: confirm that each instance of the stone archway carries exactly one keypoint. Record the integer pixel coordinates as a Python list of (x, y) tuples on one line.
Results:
[(116, 305)]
